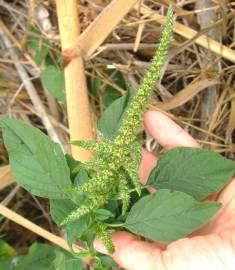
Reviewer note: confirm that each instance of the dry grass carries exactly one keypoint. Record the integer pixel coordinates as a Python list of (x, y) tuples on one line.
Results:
[(196, 89)]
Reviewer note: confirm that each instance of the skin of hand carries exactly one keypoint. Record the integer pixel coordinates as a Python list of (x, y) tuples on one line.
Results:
[(210, 248)]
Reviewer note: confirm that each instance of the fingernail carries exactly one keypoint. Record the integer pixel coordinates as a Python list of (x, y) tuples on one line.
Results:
[(99, 246)]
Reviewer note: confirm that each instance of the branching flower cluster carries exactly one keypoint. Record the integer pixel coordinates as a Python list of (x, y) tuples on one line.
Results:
[(117, 161)]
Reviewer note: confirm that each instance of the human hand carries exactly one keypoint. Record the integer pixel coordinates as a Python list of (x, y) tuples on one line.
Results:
[(210, 248)]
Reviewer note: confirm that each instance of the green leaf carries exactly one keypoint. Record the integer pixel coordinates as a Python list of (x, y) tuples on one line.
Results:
[(108, 261), (38, 163), (79, 180), (73, 264), (89, 236), (117, 77), (110, 92), (110, 95), (103, 214), (7, 264), (60, 209), (39, 44), (65, 261), (72, 164), (41, 54), (166, 216), (53, 80), (104, 263), (6, 251), (197, 172), (112, 117), (76, 229), (40, 257), (43, 257)]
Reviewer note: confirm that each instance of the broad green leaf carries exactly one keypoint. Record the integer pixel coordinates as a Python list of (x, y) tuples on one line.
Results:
[(39, 44), (40, 257), (6, 251), (7, 264), (110, 92), (75, 229), (166, 216), (105, 263), (43, 257), (112, 117), (38, 163), (110, 95), (197, 172), (72, 164), (65, 261), (108, 262), (53, 80), (117, 77), (80, 179), (88, 237), (103, 214), (72, 264), (41, 54), (60, 209)]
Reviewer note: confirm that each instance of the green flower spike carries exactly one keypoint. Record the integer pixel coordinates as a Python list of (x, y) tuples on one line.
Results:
[(116, 161), (103, 235)]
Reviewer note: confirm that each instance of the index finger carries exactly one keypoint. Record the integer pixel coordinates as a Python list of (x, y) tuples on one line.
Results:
[(166, 132)]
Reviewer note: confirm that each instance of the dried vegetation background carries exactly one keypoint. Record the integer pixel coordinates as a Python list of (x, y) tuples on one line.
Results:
[(196, 88)]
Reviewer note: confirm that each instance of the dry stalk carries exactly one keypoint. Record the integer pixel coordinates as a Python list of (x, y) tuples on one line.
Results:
[(6, 177), (78, 110), (209, 97), (189, 33), (85, 47), (186, 94), (11, 215), (98, 30)]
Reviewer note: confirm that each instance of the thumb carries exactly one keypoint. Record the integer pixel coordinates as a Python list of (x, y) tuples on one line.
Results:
[(132, 253)]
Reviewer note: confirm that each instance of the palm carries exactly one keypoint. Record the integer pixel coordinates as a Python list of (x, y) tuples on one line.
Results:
[(212, 247)]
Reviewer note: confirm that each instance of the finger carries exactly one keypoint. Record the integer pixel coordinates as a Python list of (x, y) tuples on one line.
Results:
[(166, 132), (217, 224), (131, 253), (148, 161)]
